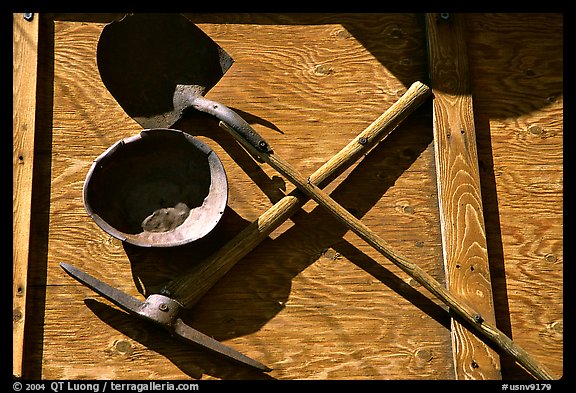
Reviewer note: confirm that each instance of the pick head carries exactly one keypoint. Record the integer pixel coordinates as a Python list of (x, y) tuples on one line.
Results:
[(119, 298), (162, 311)]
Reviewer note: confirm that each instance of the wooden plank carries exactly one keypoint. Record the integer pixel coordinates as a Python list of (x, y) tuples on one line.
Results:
[(25, 60), (312, 301), (459, 198), (518, 85), (314, 81)]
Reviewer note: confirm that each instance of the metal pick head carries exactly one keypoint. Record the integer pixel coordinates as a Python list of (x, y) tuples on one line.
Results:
[(163, 311)]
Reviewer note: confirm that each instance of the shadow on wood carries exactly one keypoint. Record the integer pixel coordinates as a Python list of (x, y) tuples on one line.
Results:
[(40, 217), (387, 39), (254, 291)]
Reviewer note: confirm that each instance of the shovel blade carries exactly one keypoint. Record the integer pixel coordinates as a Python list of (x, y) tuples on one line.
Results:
[(142, 58)]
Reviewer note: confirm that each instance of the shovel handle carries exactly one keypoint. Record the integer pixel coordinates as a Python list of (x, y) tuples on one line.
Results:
[(247, 136), (470, 315)]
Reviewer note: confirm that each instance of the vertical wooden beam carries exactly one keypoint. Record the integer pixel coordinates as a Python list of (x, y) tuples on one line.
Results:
[(25, 60), (460, 202)]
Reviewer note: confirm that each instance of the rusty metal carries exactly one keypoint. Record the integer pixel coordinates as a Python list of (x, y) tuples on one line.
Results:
[(162, 311), (160, 188), (156, 83)]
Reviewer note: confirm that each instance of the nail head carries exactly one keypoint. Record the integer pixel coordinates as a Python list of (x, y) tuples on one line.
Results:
[(123, 346)]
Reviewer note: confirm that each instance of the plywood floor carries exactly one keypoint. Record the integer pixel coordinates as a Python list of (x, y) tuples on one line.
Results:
[(313, 301)]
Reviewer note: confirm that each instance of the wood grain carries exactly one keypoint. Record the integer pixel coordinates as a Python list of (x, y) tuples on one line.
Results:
[(301, 301), (517, 81), (459, 195), (25, 59), (274, 305)]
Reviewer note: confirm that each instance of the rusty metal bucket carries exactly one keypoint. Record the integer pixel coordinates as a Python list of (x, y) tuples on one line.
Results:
[(160, 188)]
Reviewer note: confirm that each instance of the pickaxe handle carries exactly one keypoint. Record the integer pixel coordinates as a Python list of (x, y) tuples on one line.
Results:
[(190, 287)]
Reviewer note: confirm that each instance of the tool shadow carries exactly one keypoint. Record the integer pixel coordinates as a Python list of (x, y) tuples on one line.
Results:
[(410, 30), (256, 289)]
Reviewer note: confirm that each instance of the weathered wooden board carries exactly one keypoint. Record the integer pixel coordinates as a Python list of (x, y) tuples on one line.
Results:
[(313, 301), (25, 60), (465, 250), (516, 63)]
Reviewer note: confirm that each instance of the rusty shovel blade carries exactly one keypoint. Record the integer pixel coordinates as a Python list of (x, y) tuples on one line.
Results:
[(159, 65), (142, 58)]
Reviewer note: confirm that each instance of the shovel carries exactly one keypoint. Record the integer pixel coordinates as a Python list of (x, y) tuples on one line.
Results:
[(159, 66)]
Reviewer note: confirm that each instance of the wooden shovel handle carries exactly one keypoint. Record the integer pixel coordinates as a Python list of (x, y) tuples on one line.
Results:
[(463, 310), (190, 287), (467, 313)]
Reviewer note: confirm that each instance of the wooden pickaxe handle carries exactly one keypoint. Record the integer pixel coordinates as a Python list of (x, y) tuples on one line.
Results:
[(190, 287)]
